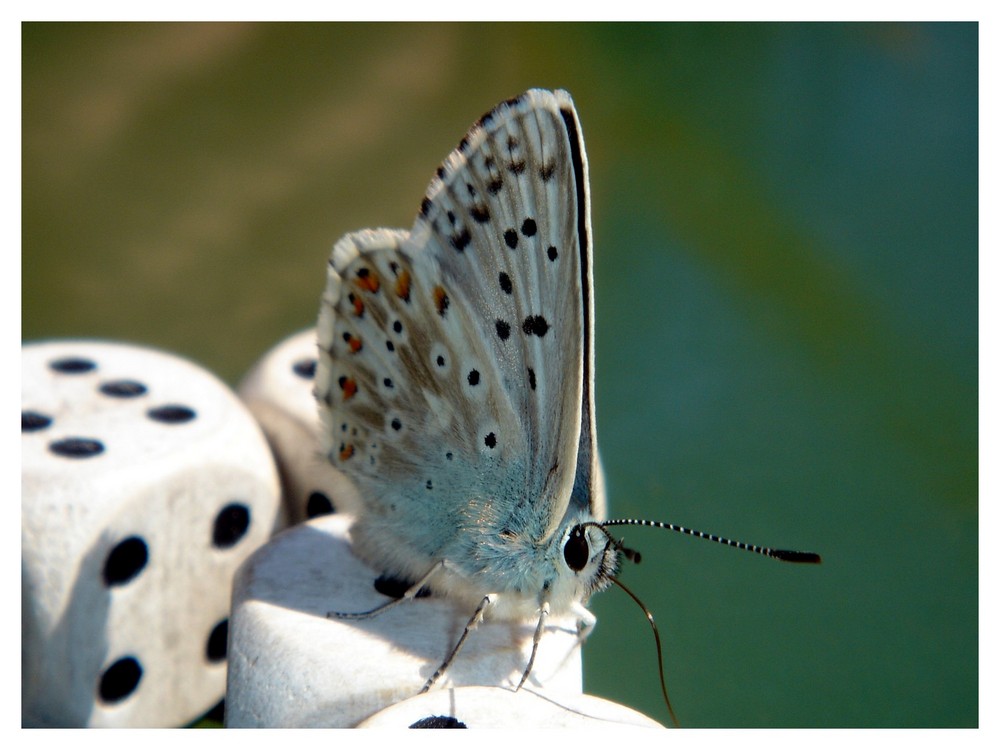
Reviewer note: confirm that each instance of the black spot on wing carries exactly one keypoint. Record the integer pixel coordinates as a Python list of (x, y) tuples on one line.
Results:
[(461, 240), (535, 325)]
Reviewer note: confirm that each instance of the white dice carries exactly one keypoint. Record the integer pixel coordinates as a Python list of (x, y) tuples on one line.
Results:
[(497, 708), (145, 483), (291, 666)]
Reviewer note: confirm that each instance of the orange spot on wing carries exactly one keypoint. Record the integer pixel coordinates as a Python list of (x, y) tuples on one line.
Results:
[(359, 306), (348, 386), (346, 451), (403, 286), (440, 299), (355, 344), (368, 280)]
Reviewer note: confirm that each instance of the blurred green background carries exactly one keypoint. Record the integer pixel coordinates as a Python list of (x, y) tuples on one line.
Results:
[(785, 221)]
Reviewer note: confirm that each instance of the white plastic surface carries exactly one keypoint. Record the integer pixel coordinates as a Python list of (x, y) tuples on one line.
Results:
[(500, 708), (163, 483), (291, 666)]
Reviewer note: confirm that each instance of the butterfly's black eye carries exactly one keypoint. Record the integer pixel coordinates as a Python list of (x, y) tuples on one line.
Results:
[(576, 551)]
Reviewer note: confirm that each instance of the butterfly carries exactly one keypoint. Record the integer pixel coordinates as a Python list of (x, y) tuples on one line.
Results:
[(455, 379)]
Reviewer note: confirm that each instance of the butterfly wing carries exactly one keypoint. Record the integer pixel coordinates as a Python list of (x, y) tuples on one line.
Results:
[(456, 359)]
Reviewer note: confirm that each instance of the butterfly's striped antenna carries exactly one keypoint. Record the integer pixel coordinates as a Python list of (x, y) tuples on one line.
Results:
[(659, 649), (777, 554)]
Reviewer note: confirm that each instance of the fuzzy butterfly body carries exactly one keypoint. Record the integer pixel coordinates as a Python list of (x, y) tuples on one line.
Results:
[(455, 372)]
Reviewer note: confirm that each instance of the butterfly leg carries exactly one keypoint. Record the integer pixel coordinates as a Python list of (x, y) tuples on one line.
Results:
[(543, 613), (410, 594), (477, 617), (585, 619)]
